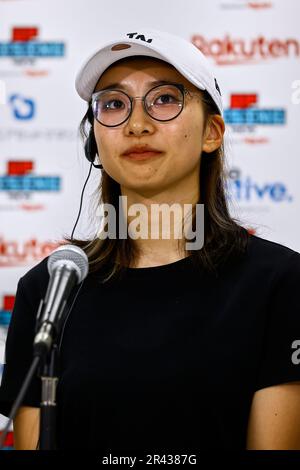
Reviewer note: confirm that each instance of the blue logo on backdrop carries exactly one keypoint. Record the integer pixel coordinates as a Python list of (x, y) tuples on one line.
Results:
[(23, 108), (24, 42), (246, 189), (244, 109)]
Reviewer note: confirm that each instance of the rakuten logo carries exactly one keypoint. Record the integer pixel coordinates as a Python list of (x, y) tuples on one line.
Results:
[(238, 51), (15, 253)]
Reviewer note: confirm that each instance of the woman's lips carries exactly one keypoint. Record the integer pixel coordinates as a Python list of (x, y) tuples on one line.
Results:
[(141, 155)]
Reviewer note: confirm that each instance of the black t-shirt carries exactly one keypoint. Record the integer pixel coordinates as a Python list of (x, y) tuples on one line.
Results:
[(167, 357)]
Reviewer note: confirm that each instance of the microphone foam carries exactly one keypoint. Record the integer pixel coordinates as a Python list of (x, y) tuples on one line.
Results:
[(71, 255)]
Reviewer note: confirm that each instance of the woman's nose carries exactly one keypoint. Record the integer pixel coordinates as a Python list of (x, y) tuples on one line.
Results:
[(139, 120)]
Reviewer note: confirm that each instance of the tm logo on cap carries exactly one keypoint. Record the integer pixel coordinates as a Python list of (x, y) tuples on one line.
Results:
[(139, 36)]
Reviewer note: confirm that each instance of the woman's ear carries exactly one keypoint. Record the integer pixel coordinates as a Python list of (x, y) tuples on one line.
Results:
[(213, 134)]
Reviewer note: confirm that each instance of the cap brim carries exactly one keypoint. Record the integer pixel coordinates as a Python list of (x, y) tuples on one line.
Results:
[(92, 70)]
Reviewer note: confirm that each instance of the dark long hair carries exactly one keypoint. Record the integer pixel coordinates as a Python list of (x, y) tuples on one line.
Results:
[(224, 238)]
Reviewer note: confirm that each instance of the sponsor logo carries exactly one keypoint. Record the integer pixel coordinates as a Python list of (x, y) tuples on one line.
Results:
[(239, 51), (244, 110), (246, 189), (19, 253), (5, 317), (20, 179), (35, 135), (9, 440), (6, 309), (23, 108), (25, 44), (243, 4)]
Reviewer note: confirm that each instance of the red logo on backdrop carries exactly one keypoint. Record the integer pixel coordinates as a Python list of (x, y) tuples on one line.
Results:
[(5, 313), (9, 441), (259, 5), (238, 51), (14, 253), (19, 167), (244, 114), (24, 34), (8, 302), (25, 47), (242, 101), (240, 4), (20, 181)]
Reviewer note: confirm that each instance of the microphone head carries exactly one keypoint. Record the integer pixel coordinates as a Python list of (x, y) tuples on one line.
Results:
[(72, 256)]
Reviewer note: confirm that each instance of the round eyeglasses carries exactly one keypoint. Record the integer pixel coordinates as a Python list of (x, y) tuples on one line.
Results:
[(162, 103)]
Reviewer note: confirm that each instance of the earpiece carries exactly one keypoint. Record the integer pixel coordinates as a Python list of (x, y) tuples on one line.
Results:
[(90, 149)]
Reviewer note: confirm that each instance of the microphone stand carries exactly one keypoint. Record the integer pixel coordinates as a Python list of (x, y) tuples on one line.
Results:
[(49, 320), (63, 278), (49, 378), (47, 363)]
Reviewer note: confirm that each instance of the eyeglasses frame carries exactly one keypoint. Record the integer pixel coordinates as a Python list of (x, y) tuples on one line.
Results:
[(184, 91)]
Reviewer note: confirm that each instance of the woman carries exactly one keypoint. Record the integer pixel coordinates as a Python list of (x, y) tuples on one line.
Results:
[(165, 347)]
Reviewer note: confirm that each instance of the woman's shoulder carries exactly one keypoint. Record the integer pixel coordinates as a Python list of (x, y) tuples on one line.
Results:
[(259, 246), (37, 277), (272, 256)]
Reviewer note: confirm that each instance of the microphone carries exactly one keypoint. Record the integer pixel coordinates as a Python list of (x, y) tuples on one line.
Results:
[(67, 266)]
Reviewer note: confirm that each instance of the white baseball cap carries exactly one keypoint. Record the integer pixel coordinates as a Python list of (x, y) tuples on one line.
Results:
[(175, 50)]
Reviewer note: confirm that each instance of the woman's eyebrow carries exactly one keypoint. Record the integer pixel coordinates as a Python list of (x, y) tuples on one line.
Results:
[(149, 84)]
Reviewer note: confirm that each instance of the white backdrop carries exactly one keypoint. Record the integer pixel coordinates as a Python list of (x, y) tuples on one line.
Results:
[(254, 48)]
